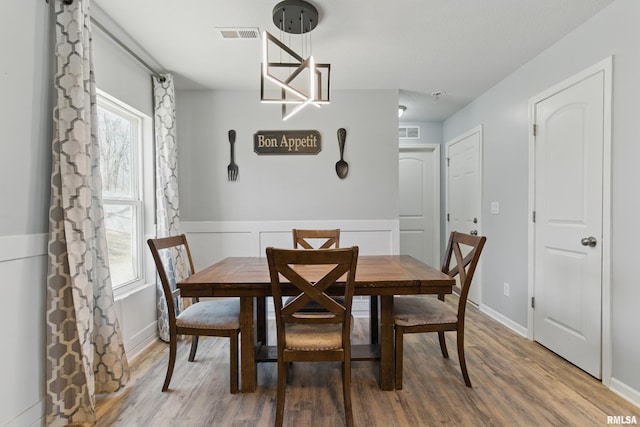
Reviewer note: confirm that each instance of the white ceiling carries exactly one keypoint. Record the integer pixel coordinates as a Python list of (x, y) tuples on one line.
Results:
[(463, 47)]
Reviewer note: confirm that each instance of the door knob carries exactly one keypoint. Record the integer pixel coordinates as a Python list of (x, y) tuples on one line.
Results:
[(475, 233), (589, 241)]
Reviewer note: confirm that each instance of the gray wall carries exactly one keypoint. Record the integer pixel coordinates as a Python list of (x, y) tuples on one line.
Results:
[(25, 117), (121, 76), (303, 187), (503, 111), (25, 120)]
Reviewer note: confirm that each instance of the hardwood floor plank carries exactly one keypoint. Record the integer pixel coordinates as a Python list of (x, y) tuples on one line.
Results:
[(516, 382)]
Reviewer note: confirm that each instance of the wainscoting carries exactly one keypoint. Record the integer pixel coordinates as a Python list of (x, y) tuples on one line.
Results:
[(23, 268)]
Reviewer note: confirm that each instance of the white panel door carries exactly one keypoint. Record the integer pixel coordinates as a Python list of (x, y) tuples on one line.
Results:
[(464, 185), (568, 222), (420, 203)]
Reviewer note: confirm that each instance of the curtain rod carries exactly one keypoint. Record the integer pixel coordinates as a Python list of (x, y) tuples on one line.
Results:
[(122, 45), (126, 48)]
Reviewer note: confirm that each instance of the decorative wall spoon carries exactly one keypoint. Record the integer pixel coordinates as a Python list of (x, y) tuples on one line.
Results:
[(342, 167)]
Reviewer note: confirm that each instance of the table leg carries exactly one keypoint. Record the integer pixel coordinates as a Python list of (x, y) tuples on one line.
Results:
[(247, 346), (261, 320), (386, 343), (374, 323)]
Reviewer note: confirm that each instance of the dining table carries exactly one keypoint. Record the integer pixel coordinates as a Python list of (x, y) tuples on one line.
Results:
[(377, 276)]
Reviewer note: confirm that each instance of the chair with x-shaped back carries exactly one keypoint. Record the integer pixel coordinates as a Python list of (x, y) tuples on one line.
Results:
[(316, 239), (421, 313), (313, 337), (304, 239)]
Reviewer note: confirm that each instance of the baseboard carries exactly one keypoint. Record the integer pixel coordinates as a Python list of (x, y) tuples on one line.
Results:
[(360, 307), (627, 393), (518, 329), (142, 340)]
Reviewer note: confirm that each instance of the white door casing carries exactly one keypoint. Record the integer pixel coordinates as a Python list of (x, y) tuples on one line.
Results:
[(464, 192), (567, 193), (419, 208)]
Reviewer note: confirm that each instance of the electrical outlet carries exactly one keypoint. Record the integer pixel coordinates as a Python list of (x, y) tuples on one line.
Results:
[(506, 289)]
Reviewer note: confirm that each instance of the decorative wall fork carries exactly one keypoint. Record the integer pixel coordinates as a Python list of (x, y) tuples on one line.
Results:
[(232, 169)]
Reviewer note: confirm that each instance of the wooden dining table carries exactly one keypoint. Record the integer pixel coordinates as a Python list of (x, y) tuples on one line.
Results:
[(378, 276)]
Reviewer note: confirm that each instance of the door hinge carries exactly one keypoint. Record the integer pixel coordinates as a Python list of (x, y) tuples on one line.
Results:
[(533, 302), (533, 216), (535, 129), (447, 217), (448, 161)]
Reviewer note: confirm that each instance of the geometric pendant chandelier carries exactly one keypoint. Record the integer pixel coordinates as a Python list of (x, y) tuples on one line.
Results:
[(289, 78)]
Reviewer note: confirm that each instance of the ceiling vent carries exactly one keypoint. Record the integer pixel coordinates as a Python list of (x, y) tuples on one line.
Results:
[(239, 33), (409, 132)]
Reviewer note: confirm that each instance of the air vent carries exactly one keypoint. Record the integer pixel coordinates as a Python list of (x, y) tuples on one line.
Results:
[(409, 132), (239, 33)]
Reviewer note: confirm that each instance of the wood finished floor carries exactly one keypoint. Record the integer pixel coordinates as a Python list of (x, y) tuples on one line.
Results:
[(516, 382)]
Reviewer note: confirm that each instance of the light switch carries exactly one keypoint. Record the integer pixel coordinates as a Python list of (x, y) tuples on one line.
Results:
[(495, 208)]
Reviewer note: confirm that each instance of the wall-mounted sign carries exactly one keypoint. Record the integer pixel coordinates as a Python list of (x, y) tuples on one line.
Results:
[(286, 142)]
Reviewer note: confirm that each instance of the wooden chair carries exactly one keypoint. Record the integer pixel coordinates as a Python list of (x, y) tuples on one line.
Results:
[(415, 314), (328, 239), (219, 318), (313, 337), (331, 237)]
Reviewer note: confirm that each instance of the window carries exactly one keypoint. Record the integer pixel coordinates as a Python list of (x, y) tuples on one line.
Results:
[(121, 132)]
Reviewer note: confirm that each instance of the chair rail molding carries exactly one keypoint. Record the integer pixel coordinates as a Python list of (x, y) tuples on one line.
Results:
[(22, 246)]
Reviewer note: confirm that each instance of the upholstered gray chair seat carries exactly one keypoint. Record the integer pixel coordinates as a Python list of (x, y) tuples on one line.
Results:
[(215, 314), (421, 310)]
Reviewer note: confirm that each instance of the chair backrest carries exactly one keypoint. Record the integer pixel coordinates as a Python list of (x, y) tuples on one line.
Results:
[(331, 238), (166, 251), (310, 274), (461, 259)]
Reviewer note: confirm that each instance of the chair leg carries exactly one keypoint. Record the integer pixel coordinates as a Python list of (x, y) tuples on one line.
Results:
[(233, 362), (194, 348), (172, 361), (346, 392), (399, 356), (463, 363), (282, 383), (443, 345)]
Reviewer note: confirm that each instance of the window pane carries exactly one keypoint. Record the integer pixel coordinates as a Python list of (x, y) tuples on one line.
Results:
[(121, 239), (116, 151)]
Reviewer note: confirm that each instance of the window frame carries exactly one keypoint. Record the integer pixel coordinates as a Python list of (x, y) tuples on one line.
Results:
[(142, 191)]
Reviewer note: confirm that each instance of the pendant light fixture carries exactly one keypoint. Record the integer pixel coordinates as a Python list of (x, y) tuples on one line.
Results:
[(293, 79)]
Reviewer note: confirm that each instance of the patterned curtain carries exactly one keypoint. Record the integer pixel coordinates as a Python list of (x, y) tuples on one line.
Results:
[(167, 206), (85, 354)]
